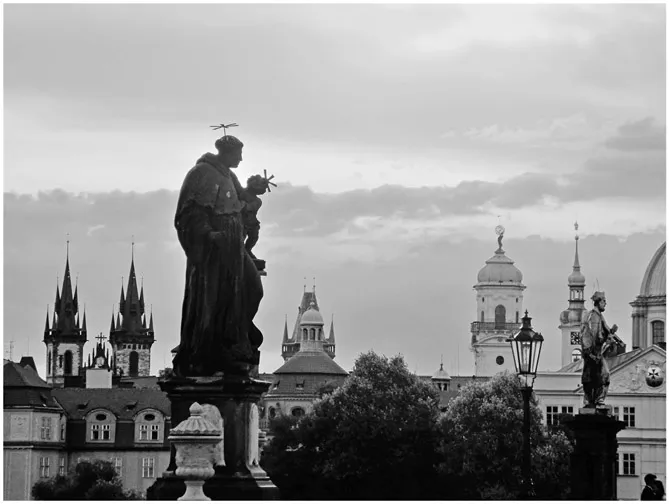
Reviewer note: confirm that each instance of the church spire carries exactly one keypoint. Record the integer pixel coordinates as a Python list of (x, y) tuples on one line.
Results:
[(576, 279), (331, 337), (46, 327), (67, 303), (285, 330)]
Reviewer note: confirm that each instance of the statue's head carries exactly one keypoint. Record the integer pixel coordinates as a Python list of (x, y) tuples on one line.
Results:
[(599, 300), (256, 184), (230, 150)]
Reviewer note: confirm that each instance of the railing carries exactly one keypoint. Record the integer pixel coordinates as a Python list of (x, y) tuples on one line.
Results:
[(478, 327)]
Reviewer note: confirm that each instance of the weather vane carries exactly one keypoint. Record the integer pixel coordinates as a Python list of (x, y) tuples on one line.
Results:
[(224, 127)]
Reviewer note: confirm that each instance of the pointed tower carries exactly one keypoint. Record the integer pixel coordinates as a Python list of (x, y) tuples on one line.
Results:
[(65, 339), (499, 302), (292, 342), (130, 339), (570, 319)]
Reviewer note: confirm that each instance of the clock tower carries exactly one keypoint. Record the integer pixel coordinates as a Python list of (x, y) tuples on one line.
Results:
[(570, 319)]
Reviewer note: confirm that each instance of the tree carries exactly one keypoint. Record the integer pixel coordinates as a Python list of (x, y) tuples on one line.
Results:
[(96, 480), (482, 441), (372, 438)]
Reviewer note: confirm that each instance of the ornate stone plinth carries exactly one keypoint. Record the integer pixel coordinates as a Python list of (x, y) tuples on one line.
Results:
[(593, 463), (241, 477)]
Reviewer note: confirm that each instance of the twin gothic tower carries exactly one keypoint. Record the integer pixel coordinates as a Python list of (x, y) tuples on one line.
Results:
[(130, 336)]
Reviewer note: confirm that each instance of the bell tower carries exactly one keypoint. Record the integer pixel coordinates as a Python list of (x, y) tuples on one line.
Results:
[(129, 335), (570, 319), (499, 302), (65, 337)]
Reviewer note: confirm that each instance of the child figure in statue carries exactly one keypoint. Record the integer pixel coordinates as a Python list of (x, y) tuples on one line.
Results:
[(256, 185)]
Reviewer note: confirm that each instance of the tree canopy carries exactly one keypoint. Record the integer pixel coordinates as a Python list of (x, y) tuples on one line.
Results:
[(380, 436), (95, 480)]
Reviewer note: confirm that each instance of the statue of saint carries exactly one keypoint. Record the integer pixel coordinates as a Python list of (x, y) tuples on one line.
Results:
[(596, 338), (223, 287)]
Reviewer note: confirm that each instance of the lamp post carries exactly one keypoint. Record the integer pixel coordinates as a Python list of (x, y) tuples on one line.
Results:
[(526, 349)]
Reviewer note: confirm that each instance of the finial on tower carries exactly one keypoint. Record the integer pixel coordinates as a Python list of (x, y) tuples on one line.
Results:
[(132, 248), (67, 246), (314, 290)]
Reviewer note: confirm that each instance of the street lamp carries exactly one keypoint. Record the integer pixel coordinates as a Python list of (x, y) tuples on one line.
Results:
[(526, 348)]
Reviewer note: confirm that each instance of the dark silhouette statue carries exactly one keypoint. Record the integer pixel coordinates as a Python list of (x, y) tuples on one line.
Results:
[(223, 287)]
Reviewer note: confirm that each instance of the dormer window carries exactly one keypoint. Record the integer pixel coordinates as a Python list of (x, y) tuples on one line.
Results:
[(101, 426), (149, 427)]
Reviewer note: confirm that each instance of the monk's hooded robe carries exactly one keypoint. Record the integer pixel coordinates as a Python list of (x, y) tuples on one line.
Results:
[(223, 288)]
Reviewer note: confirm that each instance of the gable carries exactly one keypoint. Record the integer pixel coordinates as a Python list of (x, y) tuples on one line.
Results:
[(645, 374)]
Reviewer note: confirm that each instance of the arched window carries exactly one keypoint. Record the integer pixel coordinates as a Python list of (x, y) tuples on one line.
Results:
[(149, 426), (500, 317), (482, 315), (305, 335), (48, 363), (297, 412), (576, 355), (68, 363), (517, 318), (313, 334), (658, 332), (272, 412), (101, 426), (134, 363)]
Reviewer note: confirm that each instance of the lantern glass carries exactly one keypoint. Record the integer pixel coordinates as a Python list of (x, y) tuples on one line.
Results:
[(525, 357), (538, 342)]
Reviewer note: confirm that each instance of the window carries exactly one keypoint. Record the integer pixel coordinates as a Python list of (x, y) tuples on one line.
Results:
[(272, 412), (143, 432), (616, 412), (629, 464), (500, 317), (575, 338), (68, 363), (134, 363), (61, 466), (44, 467), (576, 355), (297, 412), (629, 416), (45, 429), (482, 317), (48, 363), (63, 425), (100, 432), (552, 415), (117, 462), (155, 432), (658, 332), (148, 467), (567, 410), (517, 318), (60, 361)]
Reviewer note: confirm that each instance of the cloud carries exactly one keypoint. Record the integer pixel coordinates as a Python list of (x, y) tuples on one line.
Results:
[(639, 135)]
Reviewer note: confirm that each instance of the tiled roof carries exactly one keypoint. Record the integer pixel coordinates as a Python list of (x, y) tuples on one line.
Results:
[(125, 403), (311, 362), (15, 375), (143, 382), (301, 385), (613, 362)]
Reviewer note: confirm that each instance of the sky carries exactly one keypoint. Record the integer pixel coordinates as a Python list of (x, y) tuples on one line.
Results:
[(399, 136)]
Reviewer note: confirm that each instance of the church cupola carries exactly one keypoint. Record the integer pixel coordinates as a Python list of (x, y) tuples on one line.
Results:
[(570, 319), (66, 337), (309, 327), (441, 379), (499, 302), (130, 336)]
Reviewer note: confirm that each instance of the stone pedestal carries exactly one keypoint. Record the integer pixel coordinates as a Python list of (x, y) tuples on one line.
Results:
[(593, 463), (241, 478)]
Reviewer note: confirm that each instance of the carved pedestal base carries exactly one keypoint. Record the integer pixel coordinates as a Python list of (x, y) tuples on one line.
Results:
[(593, 463), (241, 478)]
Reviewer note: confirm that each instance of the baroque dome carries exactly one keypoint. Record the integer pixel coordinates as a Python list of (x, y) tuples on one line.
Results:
[(500, 269), (312, 316), (655, 280)]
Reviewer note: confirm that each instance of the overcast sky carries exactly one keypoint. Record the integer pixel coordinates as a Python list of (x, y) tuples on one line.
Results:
[(400, 136)]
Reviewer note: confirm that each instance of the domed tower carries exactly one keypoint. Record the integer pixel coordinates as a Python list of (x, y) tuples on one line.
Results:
[(570, 319), (649, 309), (499, 302), (292, 343), (311, 329)]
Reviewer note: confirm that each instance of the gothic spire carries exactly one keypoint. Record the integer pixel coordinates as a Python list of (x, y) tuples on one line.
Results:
[(67, 304), (134, 304), (285, 330), (46, 327), (331, 338), (112, 328)]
